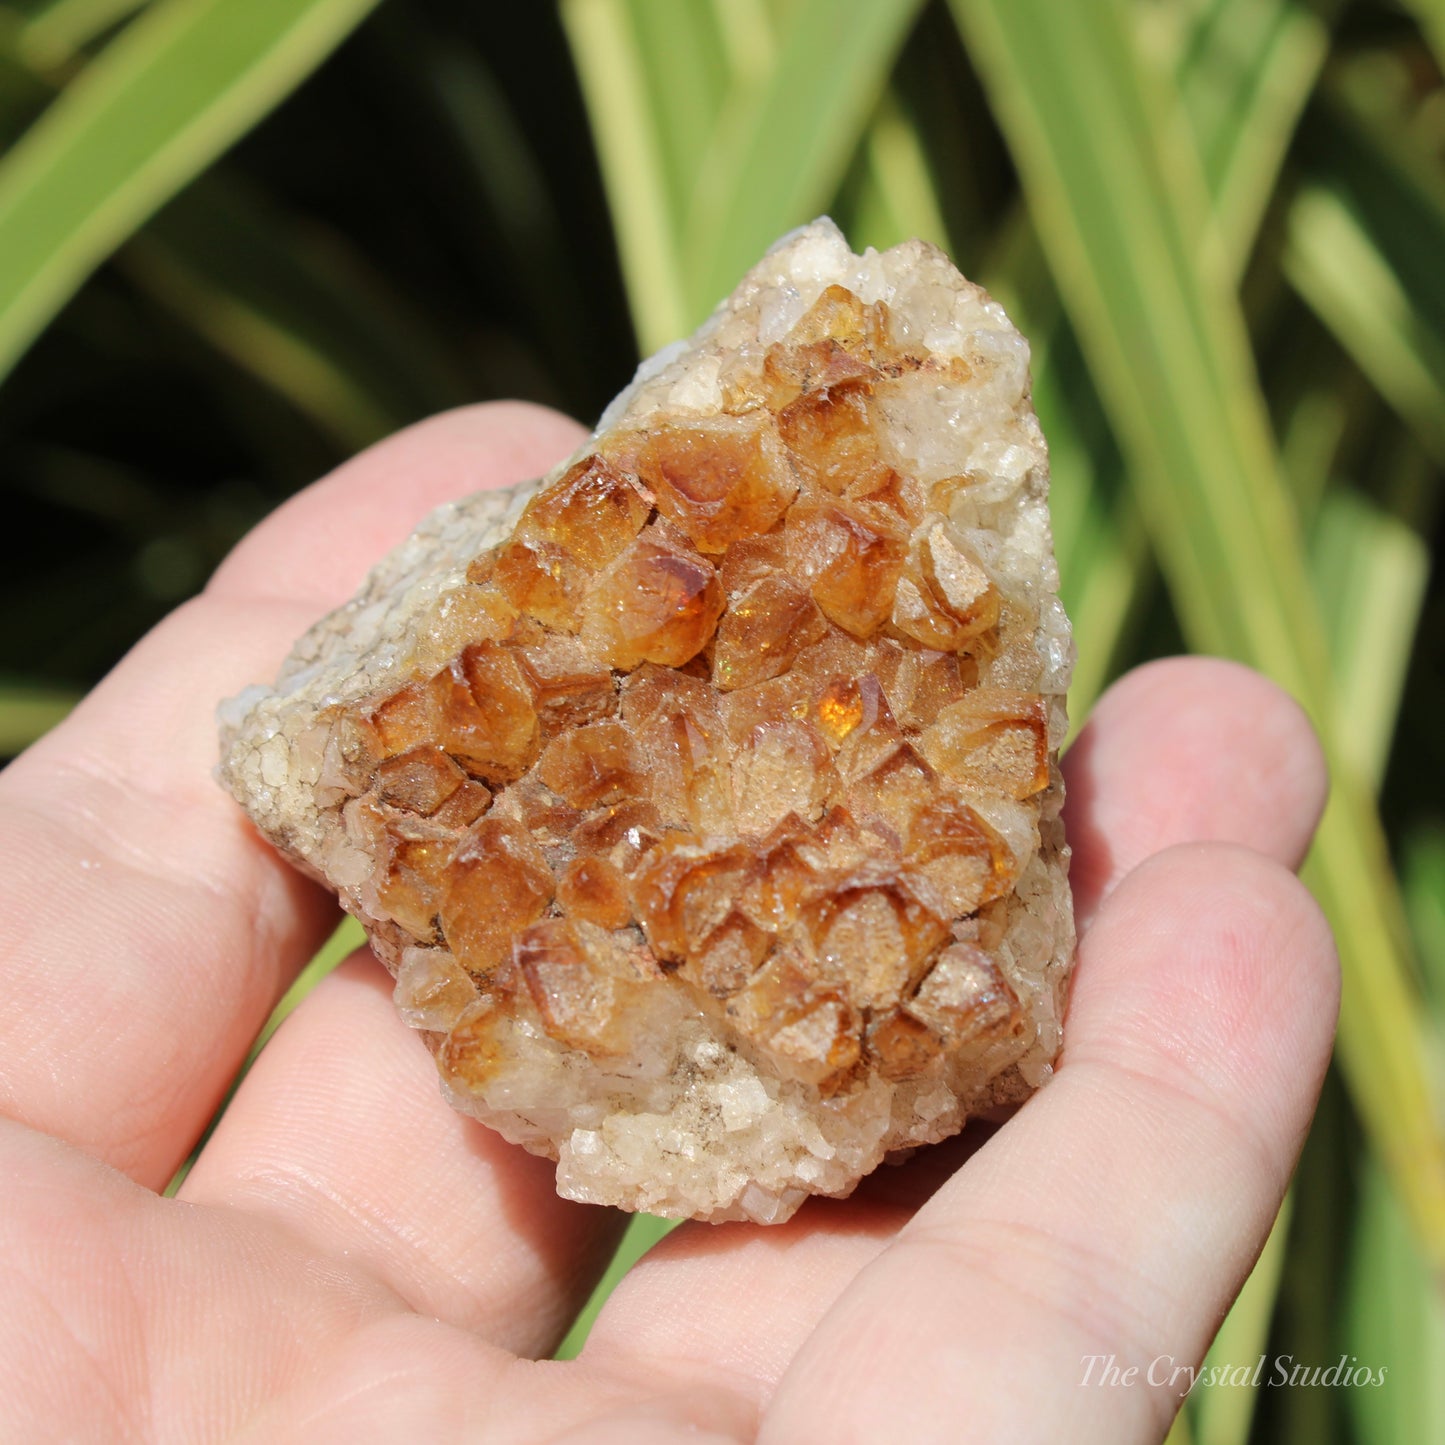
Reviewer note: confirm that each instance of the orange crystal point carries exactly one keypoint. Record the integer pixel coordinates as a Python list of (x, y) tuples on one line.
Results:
[(703, 797), (719, 482), (659, 602)]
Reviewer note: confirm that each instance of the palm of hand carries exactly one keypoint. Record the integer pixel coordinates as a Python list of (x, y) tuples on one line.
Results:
[(350, 1259)]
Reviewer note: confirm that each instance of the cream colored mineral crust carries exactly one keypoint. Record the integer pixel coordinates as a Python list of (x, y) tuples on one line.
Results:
[(703, 797)]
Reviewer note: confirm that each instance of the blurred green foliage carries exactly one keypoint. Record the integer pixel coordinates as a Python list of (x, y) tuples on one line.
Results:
[(240, 239)]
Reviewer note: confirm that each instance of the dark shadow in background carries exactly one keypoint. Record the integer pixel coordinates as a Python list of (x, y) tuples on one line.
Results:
[(439, 168)]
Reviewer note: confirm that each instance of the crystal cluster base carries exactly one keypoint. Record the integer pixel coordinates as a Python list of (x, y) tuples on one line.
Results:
[(703, 797)]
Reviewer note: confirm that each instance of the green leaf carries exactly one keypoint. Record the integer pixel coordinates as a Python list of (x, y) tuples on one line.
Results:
[(22, 95), (304, 317), (54, 32), (643, 1231), (748, 29), (1364, 241), (1167, 343), (704, 43), (1322, 403), (1245, 70), (297, 310), (1332, 262), (159, 104), (794, 106), (1120, 205), (627, 133), (1394, 1320), (1371, 572), (899, 199), (1423, 870), (783, 143), (1306, 1326)]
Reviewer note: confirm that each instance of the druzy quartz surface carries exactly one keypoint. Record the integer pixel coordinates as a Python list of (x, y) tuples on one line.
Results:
[(702, 797)]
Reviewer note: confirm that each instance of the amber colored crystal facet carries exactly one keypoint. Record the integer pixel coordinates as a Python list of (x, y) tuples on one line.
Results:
[(659, 602), (497, 883)]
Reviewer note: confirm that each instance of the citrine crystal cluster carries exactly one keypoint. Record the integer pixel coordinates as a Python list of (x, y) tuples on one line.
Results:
[(703, 797)]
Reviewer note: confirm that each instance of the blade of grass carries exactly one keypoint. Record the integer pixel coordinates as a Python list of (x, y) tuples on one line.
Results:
[(1235, 104), (1120, 205), (775, 153), (56, 32), (1331, 262), (642, 1233), (1371, 572), (1346, 560), (1423, 869), (1306, 1324), (259, 342), (1364, 241), (688, 40), (1369, 153), (1243, 103), (783, 143), (1393, 1320), (749, 34), (1245, 70), (898, 199), (22, 94), (304, 316), (177, 87), (606, 52), (1323, 404), (1126, 259), (301, 312)]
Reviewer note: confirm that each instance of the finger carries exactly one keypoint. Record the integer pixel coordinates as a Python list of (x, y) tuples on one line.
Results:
[(148, 929), (340, 1133), (1114, 1219), (1134, 788), (130, 1317), (1189, 748)]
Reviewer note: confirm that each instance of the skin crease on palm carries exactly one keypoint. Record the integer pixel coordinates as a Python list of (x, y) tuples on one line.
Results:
[(352, 1260)]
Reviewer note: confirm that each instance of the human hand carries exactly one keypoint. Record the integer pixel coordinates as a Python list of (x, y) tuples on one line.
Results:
[(351, 1259)]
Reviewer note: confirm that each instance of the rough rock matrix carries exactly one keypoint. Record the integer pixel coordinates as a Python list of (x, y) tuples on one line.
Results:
[(703, 797)]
